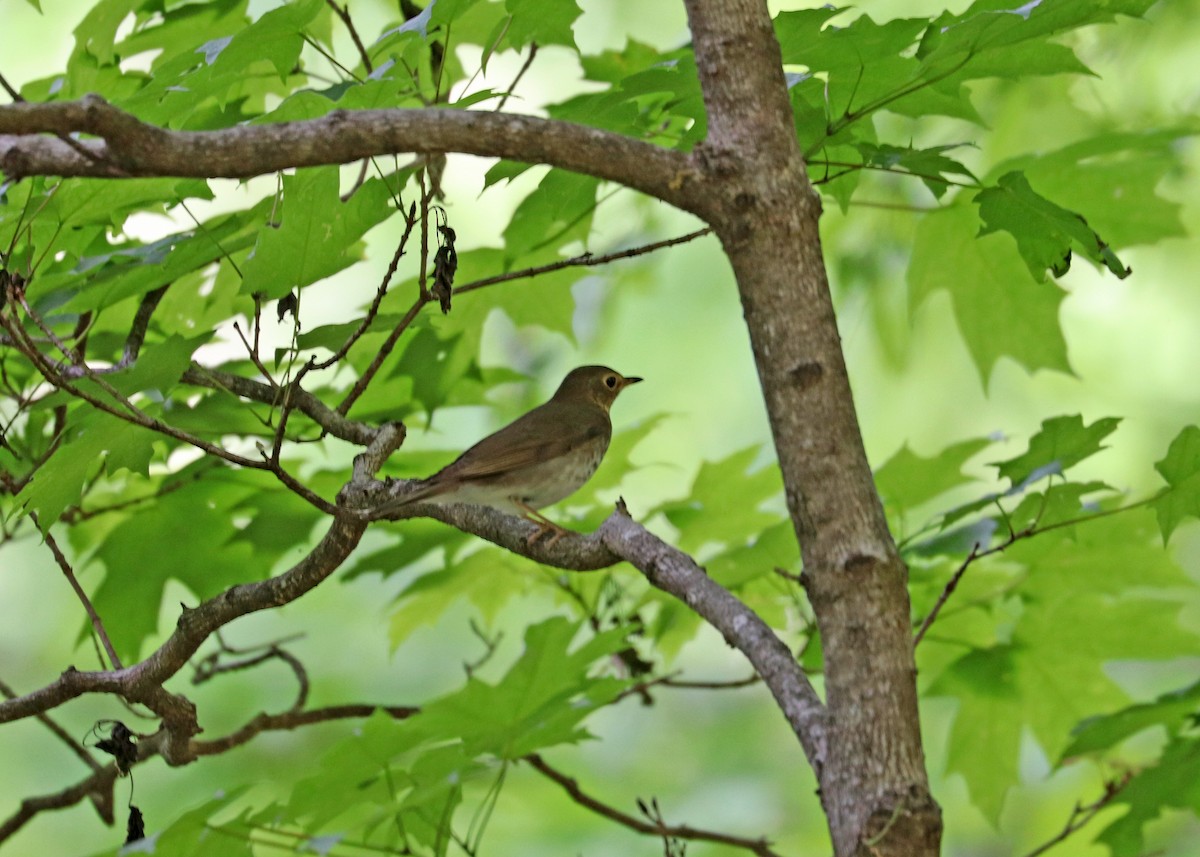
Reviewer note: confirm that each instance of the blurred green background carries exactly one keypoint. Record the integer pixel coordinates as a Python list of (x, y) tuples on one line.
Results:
[(674, 318)]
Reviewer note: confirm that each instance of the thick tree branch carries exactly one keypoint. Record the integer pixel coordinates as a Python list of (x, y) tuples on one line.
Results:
[(99, 785), (130, 147), (673, 571), (143, 682), (669, 569)]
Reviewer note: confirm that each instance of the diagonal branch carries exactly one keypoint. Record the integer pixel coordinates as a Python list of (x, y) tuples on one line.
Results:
[(69, 572), (674, 572), (330, 421), (665, 567), (97, 787), (583, 260), (130, 147), (143, 682), (760, 847), (343, 12)]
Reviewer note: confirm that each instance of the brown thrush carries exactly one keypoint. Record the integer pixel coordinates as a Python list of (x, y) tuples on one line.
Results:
[(539, 459)]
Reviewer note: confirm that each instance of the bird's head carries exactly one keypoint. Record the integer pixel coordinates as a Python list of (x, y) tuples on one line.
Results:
[(596, 384)]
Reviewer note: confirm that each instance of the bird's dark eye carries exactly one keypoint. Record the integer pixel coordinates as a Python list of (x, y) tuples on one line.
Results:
[(611, 381)]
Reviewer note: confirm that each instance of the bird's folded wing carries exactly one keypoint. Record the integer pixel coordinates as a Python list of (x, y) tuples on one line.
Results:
[(496, 456), (545, 433)]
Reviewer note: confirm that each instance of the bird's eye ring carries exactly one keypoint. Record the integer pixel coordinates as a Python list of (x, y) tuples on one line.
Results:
[(611, 381)]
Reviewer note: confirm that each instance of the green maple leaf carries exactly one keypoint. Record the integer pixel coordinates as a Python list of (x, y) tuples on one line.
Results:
[(1046, 233)]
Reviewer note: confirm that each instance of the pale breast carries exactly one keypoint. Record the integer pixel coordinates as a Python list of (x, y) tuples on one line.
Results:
[(547, 483)]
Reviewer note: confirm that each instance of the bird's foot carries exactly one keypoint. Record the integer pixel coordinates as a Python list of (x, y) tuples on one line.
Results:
[(544, 525)]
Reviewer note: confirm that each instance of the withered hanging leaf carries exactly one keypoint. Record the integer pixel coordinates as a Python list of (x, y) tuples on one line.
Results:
[(445, 264), (135, 829), (119, 744), (289, 303)]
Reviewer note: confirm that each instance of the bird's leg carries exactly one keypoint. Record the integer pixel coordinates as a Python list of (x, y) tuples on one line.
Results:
[(545, 525)]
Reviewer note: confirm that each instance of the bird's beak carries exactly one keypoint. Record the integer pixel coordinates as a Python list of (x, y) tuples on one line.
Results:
[(628, 381)]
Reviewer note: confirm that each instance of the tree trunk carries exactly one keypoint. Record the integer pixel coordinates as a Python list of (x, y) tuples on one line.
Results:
[(765, 211)]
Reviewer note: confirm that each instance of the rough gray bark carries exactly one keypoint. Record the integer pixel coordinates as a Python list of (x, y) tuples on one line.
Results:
[(749, 182), (873, 781)]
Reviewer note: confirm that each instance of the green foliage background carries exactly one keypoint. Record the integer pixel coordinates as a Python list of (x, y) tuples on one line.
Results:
[(965, 354)]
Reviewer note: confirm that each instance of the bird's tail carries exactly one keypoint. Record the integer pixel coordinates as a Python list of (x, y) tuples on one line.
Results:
[(421, 492)]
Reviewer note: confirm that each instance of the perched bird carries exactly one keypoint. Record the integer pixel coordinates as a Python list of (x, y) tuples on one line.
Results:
[(539, 459)]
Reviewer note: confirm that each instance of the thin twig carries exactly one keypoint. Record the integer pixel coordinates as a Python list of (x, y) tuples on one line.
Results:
[(948, 590), (12, 93), (582, 260), (358, 182), (533, 49), (139, 417), (253, 352), (98, 785), (211, 665), (426, 195), (849, 167), (141, 320), (60, 733), (385, 349), (1081, 815), (69, 573), (1014, 536), (312, 43), (756, 846), (380, 293), (75, 514), (294, 720), (343, 12), (681, 684)]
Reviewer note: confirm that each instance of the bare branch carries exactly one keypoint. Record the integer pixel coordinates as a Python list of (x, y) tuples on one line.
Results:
[(1014, 536), (622, 538), (642, 687), (294, 720), (127, 412), (368, 374), (312, 407), (78, 749), (1081, 815), (69, 573), (141, 320), (673, 571), (533, 49), (380, 292), (252, 351), (130, 147), (143, 682), (584, 260), (97, 788), (683, 831), (343, 12), (212, 665), (946, 592)]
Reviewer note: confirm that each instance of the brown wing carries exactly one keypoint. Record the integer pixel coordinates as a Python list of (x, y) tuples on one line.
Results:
[(547, 432)]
